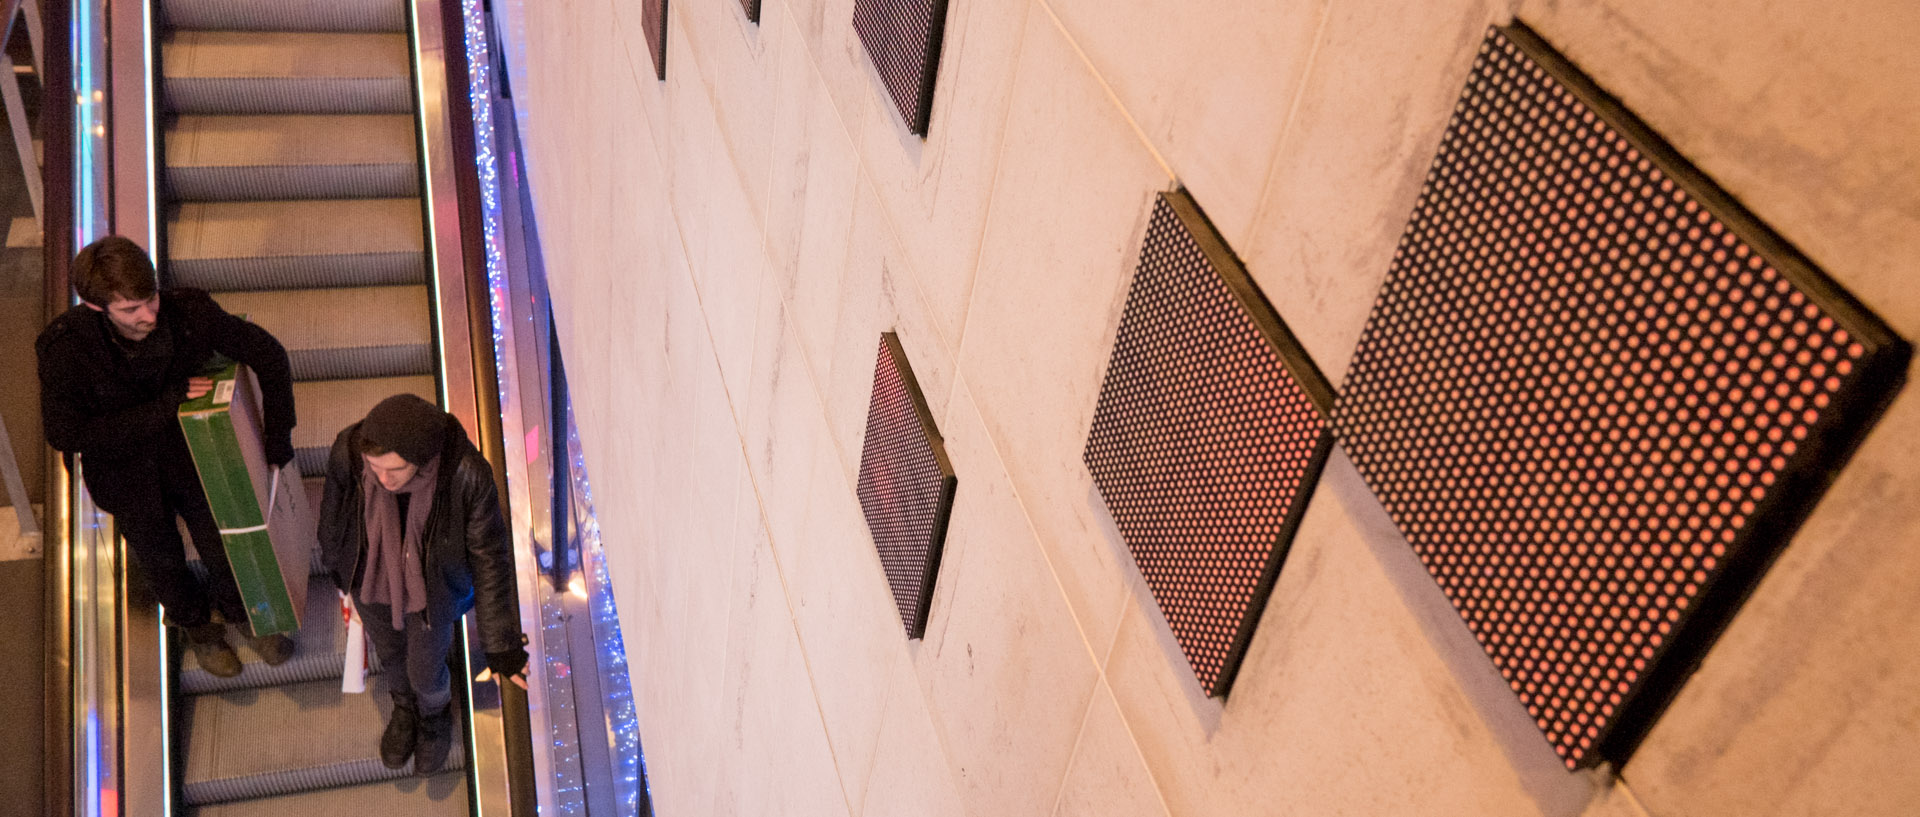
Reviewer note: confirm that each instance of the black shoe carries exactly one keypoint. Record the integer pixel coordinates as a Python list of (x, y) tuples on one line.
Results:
[(274, 649), (403, 733), (436, 740), (209, 644)]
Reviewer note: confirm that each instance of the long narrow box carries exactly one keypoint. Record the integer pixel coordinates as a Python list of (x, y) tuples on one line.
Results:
[(268, 529)]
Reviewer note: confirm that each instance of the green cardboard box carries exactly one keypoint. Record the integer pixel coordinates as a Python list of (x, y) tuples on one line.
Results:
[(267, 527)]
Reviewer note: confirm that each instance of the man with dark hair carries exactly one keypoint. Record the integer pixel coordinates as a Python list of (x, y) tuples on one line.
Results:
[(113, 372), (410, 527)]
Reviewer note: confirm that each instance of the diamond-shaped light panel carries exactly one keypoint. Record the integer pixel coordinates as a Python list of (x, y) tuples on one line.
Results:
[(1210, 433), (1596, 395), (903, 38), (906, 484), (752, 8), (653, 23)]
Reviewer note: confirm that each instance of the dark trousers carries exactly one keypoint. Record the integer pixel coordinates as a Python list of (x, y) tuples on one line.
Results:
[(144, 506), (414, 659)]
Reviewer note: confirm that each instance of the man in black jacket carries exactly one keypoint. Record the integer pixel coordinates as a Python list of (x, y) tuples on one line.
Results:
[(410, 527), (113, 372)]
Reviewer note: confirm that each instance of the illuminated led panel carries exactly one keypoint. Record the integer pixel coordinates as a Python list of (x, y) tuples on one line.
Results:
[(653, 23), (903, 38), (1596, 395), (906, 484), (752, 8), (1209, 435)]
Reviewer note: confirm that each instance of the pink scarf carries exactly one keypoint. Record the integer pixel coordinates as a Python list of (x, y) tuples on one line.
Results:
[(394, 576)]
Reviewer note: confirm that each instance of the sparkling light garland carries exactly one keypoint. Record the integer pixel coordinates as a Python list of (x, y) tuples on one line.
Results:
[(615, 682)]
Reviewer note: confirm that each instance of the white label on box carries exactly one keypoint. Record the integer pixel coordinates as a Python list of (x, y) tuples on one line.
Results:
[(223, 392)]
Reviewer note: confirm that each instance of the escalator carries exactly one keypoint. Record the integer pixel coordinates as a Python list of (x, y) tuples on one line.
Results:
[(291, 190)]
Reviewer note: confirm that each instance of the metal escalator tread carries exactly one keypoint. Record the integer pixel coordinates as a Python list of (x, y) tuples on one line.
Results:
[(255, 15), (314, 244), (267, 72), (267, 157), (444, 793), (319, 651), (253, 743), (336, 334), (327, 406)]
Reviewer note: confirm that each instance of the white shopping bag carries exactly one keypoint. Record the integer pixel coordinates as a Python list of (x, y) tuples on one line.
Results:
[(353, 677)]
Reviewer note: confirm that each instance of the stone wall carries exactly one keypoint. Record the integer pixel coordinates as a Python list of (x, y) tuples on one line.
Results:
[(727, 245)]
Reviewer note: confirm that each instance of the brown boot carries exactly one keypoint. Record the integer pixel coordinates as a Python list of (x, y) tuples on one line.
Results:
[(209, 644)]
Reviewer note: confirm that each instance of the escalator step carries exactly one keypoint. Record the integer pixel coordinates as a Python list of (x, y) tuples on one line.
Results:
[(441, 794), (319, 651), (313, 244), (362, 361), (328, 321), (312, 460), (265, 182), (253, 743), (310, 779), (254, 158), (266, 272), (253, 72), (255, 15), (327, 406)]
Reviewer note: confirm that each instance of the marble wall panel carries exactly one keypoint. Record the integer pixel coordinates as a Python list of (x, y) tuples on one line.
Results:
[(809, 206), (911, 772), (1005, 670), (1069, 214), (1108, 777), (739, 63), (936, 189), (1213, 87), (1370, 114)]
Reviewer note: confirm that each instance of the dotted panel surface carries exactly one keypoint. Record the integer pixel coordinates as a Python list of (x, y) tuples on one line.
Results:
[(752, 8), (653, 23), (1580, 394), (1205, 446), (906, 486), (903, 38)]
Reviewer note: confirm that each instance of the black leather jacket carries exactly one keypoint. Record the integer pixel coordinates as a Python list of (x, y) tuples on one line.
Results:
[(91, 405), (468, 560)]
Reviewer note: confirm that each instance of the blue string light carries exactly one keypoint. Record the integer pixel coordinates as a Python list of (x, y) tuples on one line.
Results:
[(615, 682)]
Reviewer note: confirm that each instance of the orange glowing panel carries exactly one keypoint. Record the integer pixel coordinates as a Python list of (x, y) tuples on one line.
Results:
[(1597, 395), (906, 484), (1210, 433)]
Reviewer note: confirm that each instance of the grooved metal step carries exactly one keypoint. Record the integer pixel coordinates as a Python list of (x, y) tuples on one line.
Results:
[(319, 651), (264, 15), (336, 334), (253, 158), (316, 271), (261, 72), (313, 460), (253, 743), (324, 243), (444, 793), (330, 405)]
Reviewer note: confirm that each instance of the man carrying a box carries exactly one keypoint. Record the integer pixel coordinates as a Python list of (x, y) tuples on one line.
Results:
[(410, 527), (113, 372)]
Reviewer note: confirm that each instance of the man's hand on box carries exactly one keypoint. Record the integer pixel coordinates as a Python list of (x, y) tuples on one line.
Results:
[(197, 387)]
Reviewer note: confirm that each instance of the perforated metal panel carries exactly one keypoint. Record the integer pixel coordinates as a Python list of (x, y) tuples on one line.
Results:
[(1596, 395), (906, 484), (903, 38), (653, 23), (1208, 438), (752, 8)]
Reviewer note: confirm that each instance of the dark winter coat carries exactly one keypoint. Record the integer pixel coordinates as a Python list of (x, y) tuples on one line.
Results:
[(92, 403), (468, 559)]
